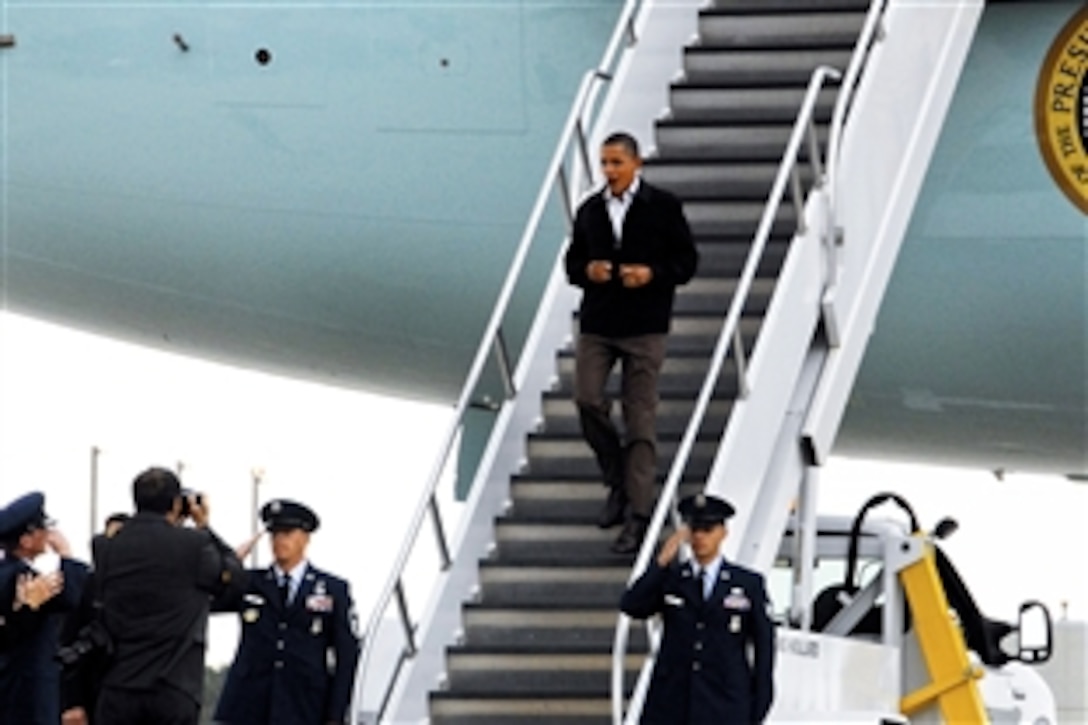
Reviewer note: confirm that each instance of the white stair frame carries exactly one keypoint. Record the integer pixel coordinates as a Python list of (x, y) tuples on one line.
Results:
[(904, 94)]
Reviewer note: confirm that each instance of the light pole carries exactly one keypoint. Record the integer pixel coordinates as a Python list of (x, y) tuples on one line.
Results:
[(95, 452), (256, 475)]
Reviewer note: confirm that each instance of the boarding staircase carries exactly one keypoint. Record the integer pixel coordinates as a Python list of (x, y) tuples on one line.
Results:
[(536, 632), (537, 644)]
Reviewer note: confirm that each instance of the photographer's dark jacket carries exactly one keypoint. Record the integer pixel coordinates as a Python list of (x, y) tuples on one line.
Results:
[(157, 583), (29, 676), (656, 234), (296, 664)]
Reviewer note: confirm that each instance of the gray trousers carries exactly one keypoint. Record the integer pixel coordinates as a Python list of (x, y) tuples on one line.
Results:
[(634, 465)]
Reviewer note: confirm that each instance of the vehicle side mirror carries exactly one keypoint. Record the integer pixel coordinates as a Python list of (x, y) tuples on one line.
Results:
[(1035, 633), (945, 528)]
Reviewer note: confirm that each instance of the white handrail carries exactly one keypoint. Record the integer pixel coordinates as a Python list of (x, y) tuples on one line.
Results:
[(579, 119), (726, 338), (838, 116)]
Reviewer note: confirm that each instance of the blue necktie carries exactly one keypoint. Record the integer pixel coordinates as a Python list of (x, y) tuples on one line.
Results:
[(285, 590)]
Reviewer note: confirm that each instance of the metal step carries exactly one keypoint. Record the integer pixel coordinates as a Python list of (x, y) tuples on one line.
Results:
[(727, 255), (763, 7), (505, 585), (715, 141), (700, 332), (729, 66), (577, 501), (569, 670), (569, 455), (488, 708), (536, 627), (803, 27), (682, 378), (741, 180), (756, 106), (517, 539), (723, 217)]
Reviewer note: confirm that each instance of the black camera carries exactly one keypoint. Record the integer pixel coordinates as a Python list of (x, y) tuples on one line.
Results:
[(186, 494), (93, 641)]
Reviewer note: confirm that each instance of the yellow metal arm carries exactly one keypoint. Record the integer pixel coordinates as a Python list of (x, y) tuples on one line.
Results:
[(953, 676)]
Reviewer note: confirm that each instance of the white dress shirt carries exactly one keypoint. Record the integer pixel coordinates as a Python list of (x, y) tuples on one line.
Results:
[(618, 206)]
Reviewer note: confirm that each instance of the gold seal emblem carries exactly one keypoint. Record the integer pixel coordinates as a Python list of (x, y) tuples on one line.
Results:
[(1061, 110)]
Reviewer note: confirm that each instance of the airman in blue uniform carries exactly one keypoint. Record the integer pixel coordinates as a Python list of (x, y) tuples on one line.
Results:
[(31, 607), (716, 662), (296, 660)]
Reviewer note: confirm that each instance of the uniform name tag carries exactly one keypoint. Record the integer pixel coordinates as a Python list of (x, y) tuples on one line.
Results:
[(673, 601), (319, 603)]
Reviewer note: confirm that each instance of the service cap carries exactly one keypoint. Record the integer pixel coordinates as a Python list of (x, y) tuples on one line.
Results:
[(702, 509), (21, 514), (282, 514)]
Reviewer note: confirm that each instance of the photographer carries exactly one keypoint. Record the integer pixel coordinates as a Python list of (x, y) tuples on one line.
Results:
[(157, 580), (31, 604)]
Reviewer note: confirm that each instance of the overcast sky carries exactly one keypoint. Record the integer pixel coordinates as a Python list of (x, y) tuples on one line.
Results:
[(360, 461)]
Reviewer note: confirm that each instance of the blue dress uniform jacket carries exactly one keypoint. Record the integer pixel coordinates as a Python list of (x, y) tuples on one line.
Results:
[(29, 676), (704, 674), (283, 673)]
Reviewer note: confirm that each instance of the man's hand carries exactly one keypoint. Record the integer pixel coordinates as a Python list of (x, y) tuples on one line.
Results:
[(55, 540), (34, 591), (74, 716), (672, 546), (198, 510), (243, 549), (599, 271), (635, 275)]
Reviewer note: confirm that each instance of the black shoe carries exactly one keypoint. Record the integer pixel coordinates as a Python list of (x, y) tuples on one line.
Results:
[(630, 539), (613, 510)]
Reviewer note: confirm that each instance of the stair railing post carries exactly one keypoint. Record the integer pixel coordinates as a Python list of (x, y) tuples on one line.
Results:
[(564, 193), (740, 358), (583, 149), (406, 621), (502, 359), (440, 534), (798, 198)]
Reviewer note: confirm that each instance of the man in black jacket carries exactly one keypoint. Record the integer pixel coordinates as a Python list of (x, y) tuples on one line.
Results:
[(716, 662), (157, 581), (630, 248)]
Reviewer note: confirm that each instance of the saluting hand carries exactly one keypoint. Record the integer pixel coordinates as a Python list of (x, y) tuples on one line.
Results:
[(58, 543), (672, 546), (242, 550)]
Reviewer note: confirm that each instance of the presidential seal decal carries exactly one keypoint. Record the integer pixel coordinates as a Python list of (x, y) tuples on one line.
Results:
[(1061, 110)]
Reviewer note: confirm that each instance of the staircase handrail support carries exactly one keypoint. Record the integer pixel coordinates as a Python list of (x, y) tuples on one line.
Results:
[(727, 338), (574, 131), (849, 84), (921, 53)]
